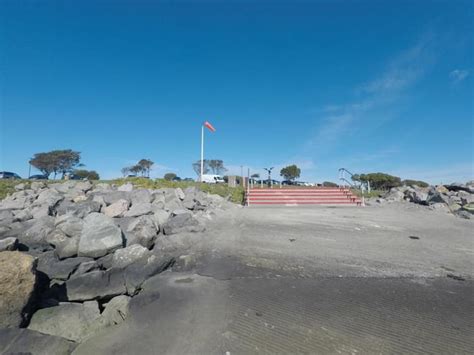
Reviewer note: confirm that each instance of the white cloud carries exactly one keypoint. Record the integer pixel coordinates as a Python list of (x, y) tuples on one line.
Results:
[(458, 75), (401, 73)]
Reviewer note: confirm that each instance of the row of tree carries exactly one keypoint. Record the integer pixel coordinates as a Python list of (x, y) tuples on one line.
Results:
[(142, 168), (215, 166), (382, 181), (64, 162)]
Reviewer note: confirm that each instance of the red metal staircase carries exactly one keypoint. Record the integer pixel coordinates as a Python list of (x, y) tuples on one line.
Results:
[(302, 196)]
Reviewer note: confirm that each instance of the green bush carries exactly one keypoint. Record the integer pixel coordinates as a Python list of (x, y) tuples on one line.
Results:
[(418, 183), (379, 181), (330, 184)]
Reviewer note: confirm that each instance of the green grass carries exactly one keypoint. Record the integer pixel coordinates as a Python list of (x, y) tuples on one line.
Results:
[(235, 194)]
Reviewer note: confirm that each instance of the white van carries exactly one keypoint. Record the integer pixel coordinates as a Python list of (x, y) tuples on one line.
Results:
[(212, 179)]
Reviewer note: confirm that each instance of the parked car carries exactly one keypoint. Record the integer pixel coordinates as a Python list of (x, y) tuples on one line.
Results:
[(288, 182), (212, 179), (188, 180), (9, 175), (38, 177), (176, 179)]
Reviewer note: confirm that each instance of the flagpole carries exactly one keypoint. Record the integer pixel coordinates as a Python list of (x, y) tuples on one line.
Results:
[(202, 150)]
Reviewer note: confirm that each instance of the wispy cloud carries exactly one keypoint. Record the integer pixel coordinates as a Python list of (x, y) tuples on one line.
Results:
[(458, 75), (401, 73)]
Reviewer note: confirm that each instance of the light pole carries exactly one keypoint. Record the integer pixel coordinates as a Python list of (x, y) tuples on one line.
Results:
[(269, 170)]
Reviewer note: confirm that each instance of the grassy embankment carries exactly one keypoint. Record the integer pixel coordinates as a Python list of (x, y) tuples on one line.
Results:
[(235, 194)]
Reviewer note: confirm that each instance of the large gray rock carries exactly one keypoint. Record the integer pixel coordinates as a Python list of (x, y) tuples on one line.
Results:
[(465, 197), (99, 285), (127, 256), (139, 209), (8, 244), (95, 285), (140, 196), (79, 209), (142, 230), (6, 217), (57, 269), (115, 312), (114, 196), (417, 196), (117, 209), (84, 186), (65, 246), (161, 217), (461, 187), (71, 226), (436, 197), (26, 341), (184, 222), (17, 290), (48, 197), (100, 236), (35, 236), (73, 321), (85, 267), (126, 187), (22, 215)]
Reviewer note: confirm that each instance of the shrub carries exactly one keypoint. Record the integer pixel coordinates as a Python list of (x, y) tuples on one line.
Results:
[(418, 183)]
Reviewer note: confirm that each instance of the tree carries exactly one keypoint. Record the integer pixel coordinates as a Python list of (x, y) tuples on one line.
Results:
[(197, 167), (56, 161), (378, 181), (125, 171), (418, 183), (291, 172), (170, 176), (145, 165), (136, 169), (255, 176), (217, 166), (330, 184), (86, 174)]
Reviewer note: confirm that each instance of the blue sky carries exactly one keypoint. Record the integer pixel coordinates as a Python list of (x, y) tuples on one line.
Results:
[(365, 85)]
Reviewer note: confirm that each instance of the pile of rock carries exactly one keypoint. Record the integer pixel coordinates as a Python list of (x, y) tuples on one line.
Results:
[(455, 198), (73, 254)]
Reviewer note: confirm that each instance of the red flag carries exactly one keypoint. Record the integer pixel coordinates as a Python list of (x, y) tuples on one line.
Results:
[(209, 126)]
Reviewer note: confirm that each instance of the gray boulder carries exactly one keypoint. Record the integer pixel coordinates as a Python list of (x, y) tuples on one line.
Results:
[(184, 222), (85, 267), (22, 215), (100, 236), (26, 341), (436, 197), (114, 196), (65, 246), (99, 285), (48, 197), (6, 217), (117, 209), (126, 188), (71, 226), (417, 196), (161, 217), (37, 185), (139, 209), (73, 321), (79, 209), (124, 257), (142, 230), (460, 187), (8, 244), (84, 186), (35, 236), (95, 285), (115, 312), (17, 291), (140, 196), (57, 269)]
